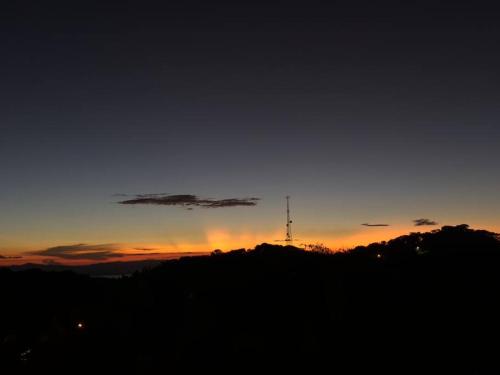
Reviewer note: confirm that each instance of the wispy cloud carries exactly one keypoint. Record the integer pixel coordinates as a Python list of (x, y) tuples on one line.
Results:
[(422, 222), (10, 257), (375, 225), (142, 254), (51, 262), (81, 251), (188, 201)]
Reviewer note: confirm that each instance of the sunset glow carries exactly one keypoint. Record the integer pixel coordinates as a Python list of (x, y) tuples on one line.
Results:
[(225, 239), (209, 186)]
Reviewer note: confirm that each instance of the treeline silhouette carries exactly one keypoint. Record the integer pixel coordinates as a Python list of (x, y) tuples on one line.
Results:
[(421, 303)]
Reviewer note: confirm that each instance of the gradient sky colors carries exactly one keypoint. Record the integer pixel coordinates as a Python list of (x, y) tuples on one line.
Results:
[(362, 112)]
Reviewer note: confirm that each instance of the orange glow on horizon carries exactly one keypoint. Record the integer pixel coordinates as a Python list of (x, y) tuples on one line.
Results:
[(223, 239)]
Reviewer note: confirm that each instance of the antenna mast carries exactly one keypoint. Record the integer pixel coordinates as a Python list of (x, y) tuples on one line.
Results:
[(289, 238)]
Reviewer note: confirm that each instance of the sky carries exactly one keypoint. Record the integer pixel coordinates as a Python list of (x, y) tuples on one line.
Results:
[(361, 111)]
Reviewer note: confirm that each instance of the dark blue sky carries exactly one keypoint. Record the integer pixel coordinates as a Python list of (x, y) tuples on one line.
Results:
[(360, 111)]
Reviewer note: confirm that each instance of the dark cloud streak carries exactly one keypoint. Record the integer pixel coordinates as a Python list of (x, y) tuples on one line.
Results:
[(188, 201), (81, 251), (423, 222), (142, 254)]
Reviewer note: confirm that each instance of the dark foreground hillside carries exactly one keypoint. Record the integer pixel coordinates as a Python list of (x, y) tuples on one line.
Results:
[(422, 303)]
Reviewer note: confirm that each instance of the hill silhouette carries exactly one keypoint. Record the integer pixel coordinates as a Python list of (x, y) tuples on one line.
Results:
[(107, 269), (420, 303)]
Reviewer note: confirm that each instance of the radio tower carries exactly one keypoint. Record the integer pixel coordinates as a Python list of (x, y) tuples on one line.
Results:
[(288, 238)]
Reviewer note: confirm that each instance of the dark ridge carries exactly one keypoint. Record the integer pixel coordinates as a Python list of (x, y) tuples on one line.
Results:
[(97, 269)]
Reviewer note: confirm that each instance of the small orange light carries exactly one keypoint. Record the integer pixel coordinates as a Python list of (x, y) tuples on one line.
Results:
[(79, 325)]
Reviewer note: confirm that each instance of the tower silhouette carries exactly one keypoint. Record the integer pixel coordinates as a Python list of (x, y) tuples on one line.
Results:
[(288, 238)]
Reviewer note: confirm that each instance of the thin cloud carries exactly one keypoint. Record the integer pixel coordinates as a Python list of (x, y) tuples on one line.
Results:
[(422, 222), (10, 257), (142, 254), (375, 225), (81, 251), (188, 201), (51, 262), (145, 248)]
